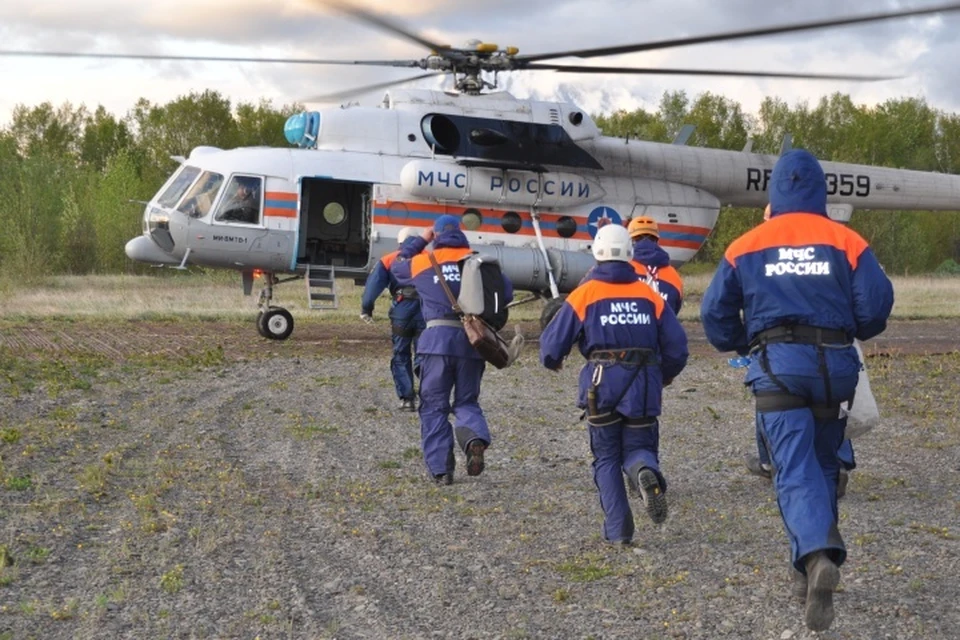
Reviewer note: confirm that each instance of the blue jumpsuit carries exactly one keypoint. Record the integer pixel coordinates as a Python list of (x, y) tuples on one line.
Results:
[(406, 322), (613, 310), (447, 361), (801, 270)]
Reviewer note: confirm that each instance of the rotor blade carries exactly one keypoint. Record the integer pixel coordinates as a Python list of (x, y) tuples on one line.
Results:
[(383, 23), (738, 35), (348, 93), (150, 56), (702, 72)]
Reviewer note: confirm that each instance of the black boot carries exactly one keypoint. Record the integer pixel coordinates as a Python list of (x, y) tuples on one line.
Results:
[(823, 576)]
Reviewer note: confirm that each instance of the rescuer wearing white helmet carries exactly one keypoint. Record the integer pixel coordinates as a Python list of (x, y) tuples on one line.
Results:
[(405, 319), (634, 345)]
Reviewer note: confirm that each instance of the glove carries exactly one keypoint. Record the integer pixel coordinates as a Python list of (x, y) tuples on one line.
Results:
[(367, 318)]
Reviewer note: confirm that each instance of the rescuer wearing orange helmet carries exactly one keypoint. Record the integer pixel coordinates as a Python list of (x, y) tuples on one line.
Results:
[(652, 263)]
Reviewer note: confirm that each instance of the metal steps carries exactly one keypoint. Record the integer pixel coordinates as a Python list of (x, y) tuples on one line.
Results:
[(321, 287)]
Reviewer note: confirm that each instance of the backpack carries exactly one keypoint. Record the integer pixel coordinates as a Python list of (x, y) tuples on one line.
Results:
[(483, 290)]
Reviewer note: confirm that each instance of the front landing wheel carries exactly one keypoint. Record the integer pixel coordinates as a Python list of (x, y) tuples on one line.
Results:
[(550, 309), (275, 323)]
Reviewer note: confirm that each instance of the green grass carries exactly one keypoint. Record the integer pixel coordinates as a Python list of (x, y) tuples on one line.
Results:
[(218, 296)]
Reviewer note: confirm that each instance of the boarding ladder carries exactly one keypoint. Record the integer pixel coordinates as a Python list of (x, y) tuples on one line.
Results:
[(321, 287)]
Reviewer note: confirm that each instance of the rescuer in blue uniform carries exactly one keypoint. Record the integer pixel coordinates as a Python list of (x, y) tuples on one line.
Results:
[(447, 361), (807, 286), (406, 321), (634, 345), (652, 263), (759, 465)]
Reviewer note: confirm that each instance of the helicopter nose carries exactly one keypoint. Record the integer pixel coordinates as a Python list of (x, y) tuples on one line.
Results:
[(143, 249)]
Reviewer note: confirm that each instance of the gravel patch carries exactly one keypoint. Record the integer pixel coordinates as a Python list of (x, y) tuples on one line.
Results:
[(283, 496)]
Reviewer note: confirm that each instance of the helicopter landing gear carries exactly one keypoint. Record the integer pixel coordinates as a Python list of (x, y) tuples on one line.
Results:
[(550, 308), (274, 323)]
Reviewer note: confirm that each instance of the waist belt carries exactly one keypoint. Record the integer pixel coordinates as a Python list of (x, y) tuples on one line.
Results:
[(768, 401), (631, 357), (406, 293), (442, 322), (799, 334)]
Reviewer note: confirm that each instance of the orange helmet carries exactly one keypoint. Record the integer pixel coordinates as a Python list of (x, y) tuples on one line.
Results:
[(643, 226)]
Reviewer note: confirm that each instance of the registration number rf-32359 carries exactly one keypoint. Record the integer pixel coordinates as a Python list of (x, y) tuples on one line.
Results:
[(838, 184)]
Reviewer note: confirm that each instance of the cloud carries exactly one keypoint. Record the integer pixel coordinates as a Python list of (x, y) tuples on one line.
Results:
[(923, 48)]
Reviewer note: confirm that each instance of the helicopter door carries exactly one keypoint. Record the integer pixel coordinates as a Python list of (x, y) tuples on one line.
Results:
[(334, 222)]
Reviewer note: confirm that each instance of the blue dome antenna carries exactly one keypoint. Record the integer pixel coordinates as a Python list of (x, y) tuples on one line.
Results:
[(302, 129)]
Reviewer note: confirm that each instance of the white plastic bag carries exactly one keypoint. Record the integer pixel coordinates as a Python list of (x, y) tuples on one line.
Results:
[(864, 414)]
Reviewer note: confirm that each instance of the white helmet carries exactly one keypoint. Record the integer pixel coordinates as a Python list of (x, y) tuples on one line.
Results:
[(612, 243), (405, 233)]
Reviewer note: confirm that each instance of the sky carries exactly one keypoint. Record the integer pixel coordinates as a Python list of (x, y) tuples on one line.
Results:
[(922, 50)]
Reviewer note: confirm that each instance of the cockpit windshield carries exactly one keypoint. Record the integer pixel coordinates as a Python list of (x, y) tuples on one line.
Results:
[(200, 198), (171, 196)]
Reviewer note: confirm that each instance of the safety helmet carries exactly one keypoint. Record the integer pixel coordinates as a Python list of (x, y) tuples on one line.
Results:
[(643, 226), (612, 243), (405, 233)]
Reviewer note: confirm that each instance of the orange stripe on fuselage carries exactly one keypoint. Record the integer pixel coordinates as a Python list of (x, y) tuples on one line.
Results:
[(421, 262), (667, 274), (798, 230), (281, 195), (595, 291), (273, 198), (275, 212)]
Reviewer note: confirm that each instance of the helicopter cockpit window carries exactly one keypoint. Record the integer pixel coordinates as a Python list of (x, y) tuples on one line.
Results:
[(242, 201), (178, 187), (199, 199)]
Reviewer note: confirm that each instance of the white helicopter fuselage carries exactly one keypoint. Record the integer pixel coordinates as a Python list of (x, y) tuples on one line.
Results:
[(530, 180)]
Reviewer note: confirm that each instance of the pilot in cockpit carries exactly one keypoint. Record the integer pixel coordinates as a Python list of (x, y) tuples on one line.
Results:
[(243, 205)]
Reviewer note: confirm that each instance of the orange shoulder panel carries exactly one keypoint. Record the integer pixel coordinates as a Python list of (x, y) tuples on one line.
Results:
[(667, 274), (798, 230), (388, 259), (671, 275), (595, 291), (421, 261)]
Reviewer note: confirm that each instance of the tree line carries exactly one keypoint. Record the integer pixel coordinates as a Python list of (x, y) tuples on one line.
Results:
[(72, 180)]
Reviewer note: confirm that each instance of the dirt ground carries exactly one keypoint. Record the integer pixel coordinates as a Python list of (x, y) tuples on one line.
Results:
[(193, 480), (238, 340)]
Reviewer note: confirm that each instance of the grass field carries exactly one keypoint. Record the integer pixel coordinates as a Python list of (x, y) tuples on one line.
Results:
[(219, 296)]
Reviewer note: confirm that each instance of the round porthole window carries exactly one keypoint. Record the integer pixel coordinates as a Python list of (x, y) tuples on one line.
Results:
[(566, 227), (472, 219), (511, 222), (334, 213)]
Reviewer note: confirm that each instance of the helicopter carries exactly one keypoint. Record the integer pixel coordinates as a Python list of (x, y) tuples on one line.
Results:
[(531, 181)]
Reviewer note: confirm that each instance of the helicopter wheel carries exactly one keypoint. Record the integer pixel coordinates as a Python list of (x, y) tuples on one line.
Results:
[(260, 328), (550, 309), (275, 323)]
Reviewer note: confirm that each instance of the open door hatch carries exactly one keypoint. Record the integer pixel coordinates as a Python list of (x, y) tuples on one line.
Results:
[(334, 223)]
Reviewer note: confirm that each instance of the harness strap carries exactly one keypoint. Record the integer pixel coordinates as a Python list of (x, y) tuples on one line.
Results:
[(636, 357), (770, 401), (799, 334), (406, 293), (441, 322)]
